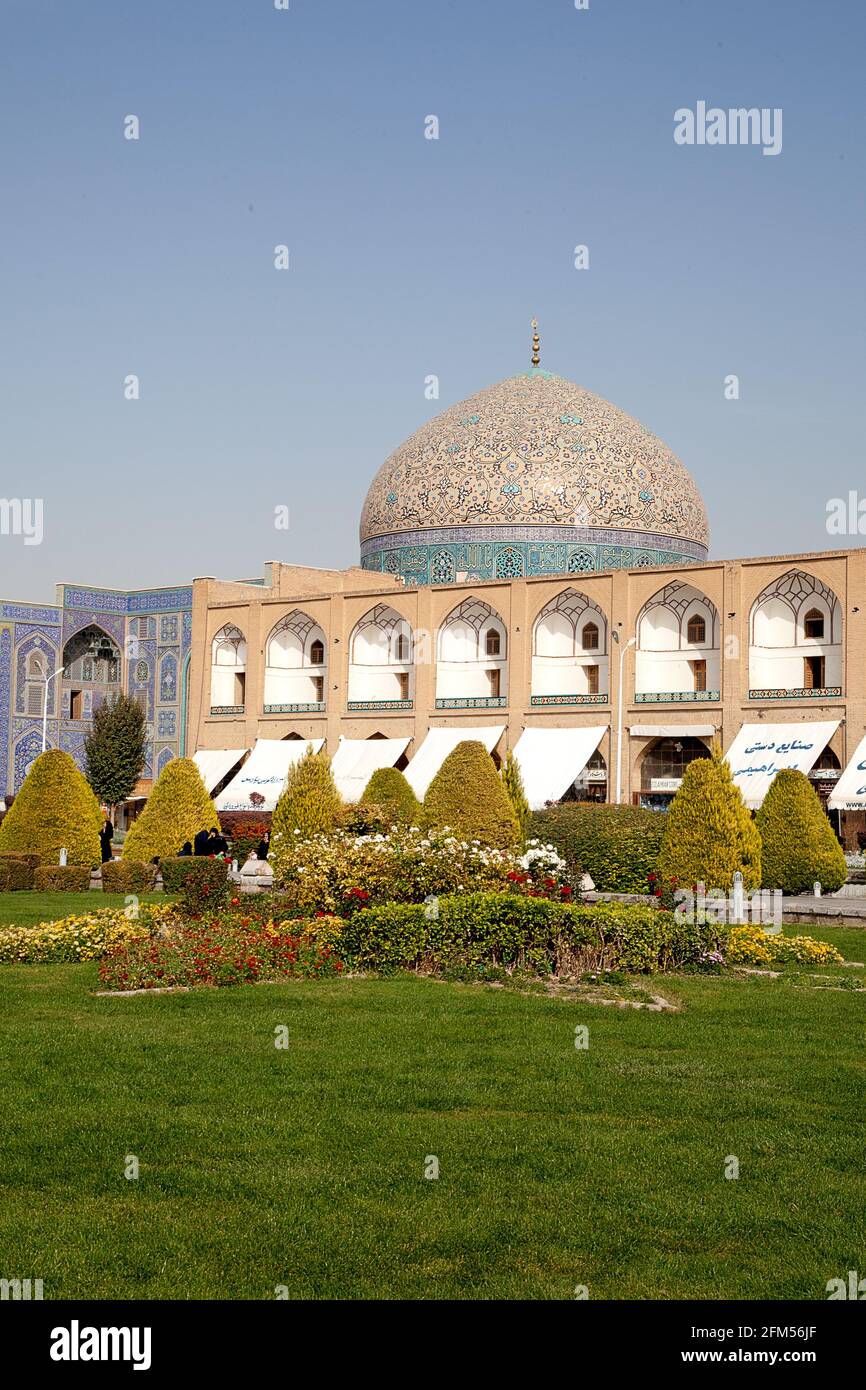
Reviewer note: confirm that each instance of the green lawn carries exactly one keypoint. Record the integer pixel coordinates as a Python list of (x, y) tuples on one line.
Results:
[(28, 909), (304, 1167)]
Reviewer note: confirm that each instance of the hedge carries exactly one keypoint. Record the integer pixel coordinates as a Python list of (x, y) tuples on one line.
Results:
[(202, 882), (15, 875), (309, 802), (62, 878), (618, 846), (17, 870), (128, 876), (477, 929)]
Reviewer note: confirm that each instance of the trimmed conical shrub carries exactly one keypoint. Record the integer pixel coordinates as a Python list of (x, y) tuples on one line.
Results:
[(468, 795), (310, 802), (798, 845), (55, 809), (710, 833), (177, 809), (388, 790), (513, 783)]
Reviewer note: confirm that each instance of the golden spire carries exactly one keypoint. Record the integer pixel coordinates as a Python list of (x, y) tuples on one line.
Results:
[(536, 358)]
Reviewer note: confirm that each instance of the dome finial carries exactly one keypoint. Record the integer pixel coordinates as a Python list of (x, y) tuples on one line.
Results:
[(536, 351)]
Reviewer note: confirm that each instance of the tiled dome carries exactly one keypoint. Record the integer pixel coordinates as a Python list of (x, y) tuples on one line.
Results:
[(532, 475)]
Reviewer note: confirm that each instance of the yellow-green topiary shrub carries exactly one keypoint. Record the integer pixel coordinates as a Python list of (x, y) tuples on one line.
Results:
[(309, 802), (55, 809), (710, 833), (177, 809), (468, 795), (388, 790), (798, 845)]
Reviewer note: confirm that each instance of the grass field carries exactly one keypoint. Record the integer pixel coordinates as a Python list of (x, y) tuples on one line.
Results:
[(28, 909), (304, 1167)]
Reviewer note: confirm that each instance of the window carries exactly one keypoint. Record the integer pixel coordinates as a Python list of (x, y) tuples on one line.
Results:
[(493, 676), (403, 684), (317, 653), (699, 674), (591, 679), (240, 688), (813, 672), (35, 695), (319, 688), (696, 633), (76, 704), (492, 642), (590, 637), (813, 624), (402, 647)]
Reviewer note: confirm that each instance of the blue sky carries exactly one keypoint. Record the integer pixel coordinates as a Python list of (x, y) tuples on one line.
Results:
[(262, 388)]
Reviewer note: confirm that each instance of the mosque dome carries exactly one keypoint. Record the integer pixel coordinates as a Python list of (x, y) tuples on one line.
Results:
[(532, 476)]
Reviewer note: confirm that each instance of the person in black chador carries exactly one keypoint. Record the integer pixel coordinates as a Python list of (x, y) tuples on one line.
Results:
[(106, 835), (186, 851), (216, 844), (263, 846), (200, 843)]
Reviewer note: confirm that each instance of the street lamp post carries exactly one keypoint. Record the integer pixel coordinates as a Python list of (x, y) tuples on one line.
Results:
[(46, 679), (630, 643)]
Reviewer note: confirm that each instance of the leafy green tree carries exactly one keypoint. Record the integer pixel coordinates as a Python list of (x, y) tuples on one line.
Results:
[(55, 809), (389, 791), (176, 810), (468, 795), (309, 802), (114, 749), (710, 834), (798, 845), (513, 783)]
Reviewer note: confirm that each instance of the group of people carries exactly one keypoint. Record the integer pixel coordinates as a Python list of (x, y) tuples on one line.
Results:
[(213, 842)]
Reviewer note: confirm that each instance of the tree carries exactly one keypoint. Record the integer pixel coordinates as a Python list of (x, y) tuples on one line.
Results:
[(513, 783), (114, 749), (176, 810), (468, 795), (309, 802), (55, 809), (710, 834), (798, 846), (389, 791)]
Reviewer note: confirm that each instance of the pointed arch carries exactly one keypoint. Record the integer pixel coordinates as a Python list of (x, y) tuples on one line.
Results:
[(228, 670), (795, 638), (296, 665), (472, 657), (570, 659), (381, 660), (677, 657)]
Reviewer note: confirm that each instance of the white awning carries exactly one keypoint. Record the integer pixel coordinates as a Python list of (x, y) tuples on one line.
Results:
[(849, 793), (216, 763), (550, 759), (436, 747), (673, 730), (265, 772), (761, 750), (357, 759)]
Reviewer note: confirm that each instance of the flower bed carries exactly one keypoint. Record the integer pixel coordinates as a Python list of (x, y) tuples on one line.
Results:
[(749, 945), (78, 938), (342, 873), (220, 953)]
